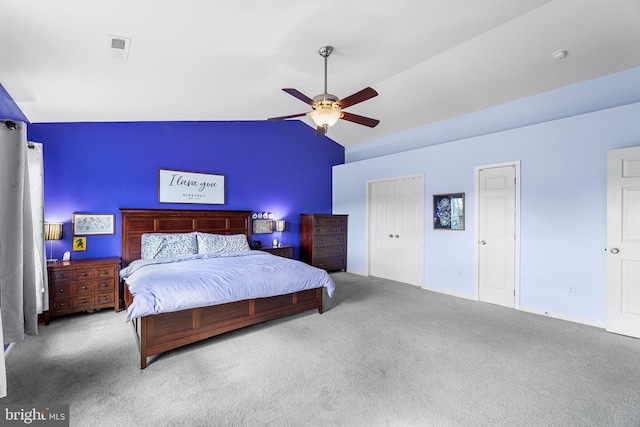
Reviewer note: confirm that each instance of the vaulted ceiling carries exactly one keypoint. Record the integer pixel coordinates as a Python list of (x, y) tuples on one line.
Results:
[(207, 60)]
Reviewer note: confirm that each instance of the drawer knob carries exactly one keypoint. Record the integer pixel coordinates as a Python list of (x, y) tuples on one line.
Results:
[(60, 276), (61, 290), (61, 304), (104, 297), (104, 272), (84, 288), (84, 300), (83, 274), (104, 285)]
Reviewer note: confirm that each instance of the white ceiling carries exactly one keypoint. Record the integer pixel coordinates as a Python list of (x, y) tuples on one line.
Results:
[(211, 60)]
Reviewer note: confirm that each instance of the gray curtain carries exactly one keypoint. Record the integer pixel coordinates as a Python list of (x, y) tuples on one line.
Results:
[(18, 296), (36, 181)]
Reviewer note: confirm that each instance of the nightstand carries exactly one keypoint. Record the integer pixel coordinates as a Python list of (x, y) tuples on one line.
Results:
[(82, 285), (284, 251)]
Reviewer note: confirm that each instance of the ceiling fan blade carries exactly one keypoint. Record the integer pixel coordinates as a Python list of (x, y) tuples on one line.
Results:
[(361, 120), (321, 130), (301, 96), (273, 119), (363, 95)]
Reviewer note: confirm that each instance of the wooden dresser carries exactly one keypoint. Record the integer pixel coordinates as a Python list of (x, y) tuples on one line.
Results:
[(323, 241), (81, 285)]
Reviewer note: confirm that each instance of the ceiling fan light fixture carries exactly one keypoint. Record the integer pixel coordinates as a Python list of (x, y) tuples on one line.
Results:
[(325, 116)]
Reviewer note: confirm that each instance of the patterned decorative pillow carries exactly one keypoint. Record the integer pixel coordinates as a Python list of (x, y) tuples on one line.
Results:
[(211, 243), (164, 245), (208, 243)]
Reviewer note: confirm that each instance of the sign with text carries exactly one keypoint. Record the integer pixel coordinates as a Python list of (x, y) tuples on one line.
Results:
[(190, 187), (52, 415)]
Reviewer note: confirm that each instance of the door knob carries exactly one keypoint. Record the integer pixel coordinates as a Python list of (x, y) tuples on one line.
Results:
[(615, 250), (482, 242), (390, 235), (397, 237)]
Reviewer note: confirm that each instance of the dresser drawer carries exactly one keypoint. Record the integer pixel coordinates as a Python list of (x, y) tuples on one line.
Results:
[(59, 292), (337, 240), (105, 298), (61, 305), (84, 274), (323, 252), (329, 221), (105, 272), (87, 301), (105, 285), (323, 231), (335, 263), (60, 276)]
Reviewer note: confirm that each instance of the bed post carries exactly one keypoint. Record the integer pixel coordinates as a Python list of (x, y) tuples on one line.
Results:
[(143, 342), (319, 298)]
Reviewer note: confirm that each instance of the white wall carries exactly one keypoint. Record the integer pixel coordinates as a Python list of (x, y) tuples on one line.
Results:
[(563, 206)]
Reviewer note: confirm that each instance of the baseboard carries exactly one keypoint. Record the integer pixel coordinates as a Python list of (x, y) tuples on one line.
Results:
[(561, 316), (445, 292), (359, 273), (8, 349)]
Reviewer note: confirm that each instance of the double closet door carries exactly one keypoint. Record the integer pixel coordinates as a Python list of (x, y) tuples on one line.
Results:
[(396, 229)]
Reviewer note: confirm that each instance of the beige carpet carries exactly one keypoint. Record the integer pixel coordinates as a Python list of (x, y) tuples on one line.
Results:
[(382, 354)]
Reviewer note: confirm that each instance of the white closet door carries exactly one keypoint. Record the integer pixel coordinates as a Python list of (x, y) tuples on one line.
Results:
[(397, 229)]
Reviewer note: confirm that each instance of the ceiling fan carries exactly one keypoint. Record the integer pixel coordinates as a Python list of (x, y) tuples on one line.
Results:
[(327, 108)]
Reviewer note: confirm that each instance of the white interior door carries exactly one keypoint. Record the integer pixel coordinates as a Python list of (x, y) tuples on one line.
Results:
[(496, 215), (623, 241), (397, 229), (382, 227)]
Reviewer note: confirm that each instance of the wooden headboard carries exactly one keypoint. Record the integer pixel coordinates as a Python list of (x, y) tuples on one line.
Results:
[(136, 222)]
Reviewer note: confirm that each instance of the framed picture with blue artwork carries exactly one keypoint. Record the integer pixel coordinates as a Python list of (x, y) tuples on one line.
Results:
[(88, 224), (448, 211)]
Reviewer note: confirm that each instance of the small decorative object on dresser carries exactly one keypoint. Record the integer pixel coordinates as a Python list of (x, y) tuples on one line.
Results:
[(284, 251), (82, 285), (323, 241)]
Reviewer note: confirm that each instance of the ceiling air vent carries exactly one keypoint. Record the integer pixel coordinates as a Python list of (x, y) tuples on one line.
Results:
[(118, 47)]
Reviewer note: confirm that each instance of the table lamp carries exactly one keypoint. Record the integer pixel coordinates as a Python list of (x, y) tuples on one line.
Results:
[(52, 231)]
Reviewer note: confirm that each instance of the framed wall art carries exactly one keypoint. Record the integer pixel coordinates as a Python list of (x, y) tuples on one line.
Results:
[(262, 226), (448, 211), (190, 187), (88, 224), (79, 243)]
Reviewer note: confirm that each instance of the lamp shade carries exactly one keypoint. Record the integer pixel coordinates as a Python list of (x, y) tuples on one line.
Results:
[(280, 225), (325, 116), (53, 231)]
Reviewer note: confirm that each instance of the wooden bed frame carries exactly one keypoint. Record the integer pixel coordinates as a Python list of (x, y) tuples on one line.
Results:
[(158, 333)]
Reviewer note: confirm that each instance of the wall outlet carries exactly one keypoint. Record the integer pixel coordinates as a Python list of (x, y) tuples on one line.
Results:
[(572, 291)]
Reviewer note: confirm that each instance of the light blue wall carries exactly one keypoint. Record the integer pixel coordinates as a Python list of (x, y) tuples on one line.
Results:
[(563, 206)]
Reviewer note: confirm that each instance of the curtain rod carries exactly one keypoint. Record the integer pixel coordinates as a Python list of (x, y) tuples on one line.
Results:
[(10, 124)]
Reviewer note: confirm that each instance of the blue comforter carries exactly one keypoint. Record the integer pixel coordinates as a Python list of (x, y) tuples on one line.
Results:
[(172, 284)]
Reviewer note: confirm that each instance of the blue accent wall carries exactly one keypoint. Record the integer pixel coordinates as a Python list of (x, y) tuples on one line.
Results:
[(8, 108), (278, 167)]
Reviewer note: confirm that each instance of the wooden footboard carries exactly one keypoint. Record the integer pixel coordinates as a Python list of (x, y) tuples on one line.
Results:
[(158, 333)]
